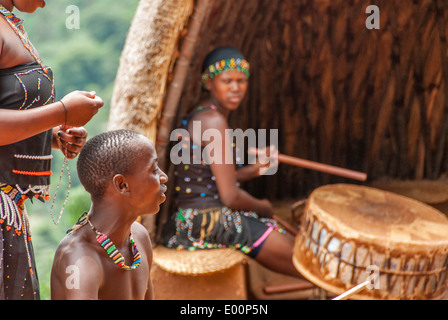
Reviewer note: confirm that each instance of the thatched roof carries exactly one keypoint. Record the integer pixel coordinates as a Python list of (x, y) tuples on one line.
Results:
[(146, 61)]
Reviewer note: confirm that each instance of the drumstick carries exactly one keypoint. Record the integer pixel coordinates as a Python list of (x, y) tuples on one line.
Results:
[(347, 173), (352, 291), (313, 165), (288, 287)]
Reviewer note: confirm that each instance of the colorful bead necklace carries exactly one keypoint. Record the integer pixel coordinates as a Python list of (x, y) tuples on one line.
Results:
[(113, 252), (19, 30)]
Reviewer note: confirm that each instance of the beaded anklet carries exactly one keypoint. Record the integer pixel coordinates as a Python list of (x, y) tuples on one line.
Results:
[(113, 252)]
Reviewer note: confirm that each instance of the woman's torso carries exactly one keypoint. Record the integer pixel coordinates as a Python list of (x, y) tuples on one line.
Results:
[(195, 185), (22, 87)]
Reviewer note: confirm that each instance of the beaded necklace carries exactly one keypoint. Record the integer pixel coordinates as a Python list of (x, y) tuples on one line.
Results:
[(19, 30), (113, 252)]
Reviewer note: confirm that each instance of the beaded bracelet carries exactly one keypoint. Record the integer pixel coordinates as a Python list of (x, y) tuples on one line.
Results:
[(65, 113), (30, 157)]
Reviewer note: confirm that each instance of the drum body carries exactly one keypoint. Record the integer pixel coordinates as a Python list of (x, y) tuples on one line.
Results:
[(350, 234)]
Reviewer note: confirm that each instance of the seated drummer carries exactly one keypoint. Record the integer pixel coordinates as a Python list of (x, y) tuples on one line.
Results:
[(212, 210), (107, 254)]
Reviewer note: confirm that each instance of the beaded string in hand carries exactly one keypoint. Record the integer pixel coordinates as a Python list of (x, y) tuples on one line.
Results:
[(64, 165)]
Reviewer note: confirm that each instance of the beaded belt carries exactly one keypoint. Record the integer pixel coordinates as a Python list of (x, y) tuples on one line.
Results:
[(18, 194), (223, 216), (12, 209)]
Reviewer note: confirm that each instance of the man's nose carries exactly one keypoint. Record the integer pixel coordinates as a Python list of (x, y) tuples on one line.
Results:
[(163, 177)]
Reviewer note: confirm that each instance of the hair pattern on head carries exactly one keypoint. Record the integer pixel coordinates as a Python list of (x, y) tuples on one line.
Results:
[(219, 54), (105, 155)]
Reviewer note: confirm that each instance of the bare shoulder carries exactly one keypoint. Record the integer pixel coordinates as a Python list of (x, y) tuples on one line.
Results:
[(212, 119), (76, 265), (74, 250)]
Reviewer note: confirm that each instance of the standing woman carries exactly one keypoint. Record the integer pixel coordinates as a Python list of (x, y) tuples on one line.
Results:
[(212, 211), (31, 124)]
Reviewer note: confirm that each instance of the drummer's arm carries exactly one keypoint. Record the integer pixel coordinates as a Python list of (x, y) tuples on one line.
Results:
[(247, 173), (236, 198), (231, 195), (266, 158)]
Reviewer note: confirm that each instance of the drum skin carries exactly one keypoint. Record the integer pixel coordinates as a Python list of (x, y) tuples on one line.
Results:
[(348, 231)]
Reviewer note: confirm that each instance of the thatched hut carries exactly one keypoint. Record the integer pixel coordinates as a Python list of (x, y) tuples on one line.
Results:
[(373, 100)]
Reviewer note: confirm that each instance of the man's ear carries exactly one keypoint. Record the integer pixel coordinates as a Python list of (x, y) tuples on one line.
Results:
[(120, 184)]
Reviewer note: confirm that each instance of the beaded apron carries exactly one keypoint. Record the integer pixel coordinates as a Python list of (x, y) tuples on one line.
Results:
[(219, 228)]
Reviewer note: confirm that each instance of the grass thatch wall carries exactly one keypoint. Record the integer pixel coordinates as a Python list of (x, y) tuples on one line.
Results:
[(145, 63), (369, 100)]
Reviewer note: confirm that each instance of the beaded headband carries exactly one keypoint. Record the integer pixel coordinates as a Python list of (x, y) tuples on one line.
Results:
[(216, 68)]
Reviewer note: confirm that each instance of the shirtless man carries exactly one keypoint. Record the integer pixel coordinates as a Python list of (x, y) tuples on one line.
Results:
[(119, 170)]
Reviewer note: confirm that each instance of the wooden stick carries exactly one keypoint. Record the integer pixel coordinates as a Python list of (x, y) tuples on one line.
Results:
[(347, 173), (352, 291), (288, 287)]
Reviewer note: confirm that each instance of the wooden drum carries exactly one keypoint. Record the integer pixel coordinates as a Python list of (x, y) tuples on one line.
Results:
[(347, 229)]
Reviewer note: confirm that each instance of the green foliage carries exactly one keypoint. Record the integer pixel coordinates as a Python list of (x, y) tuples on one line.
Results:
[(82, 59)]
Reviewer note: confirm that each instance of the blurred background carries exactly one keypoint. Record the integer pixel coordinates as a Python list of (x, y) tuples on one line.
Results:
[(82, 59)]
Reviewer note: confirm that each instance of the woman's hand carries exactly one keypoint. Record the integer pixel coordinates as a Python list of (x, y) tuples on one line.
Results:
[(74, 110), (69, 140), (80, 107)]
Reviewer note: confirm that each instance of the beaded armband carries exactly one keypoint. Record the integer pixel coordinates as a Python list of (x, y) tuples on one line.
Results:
[(31, 157), (33, 173), (226, 65)]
